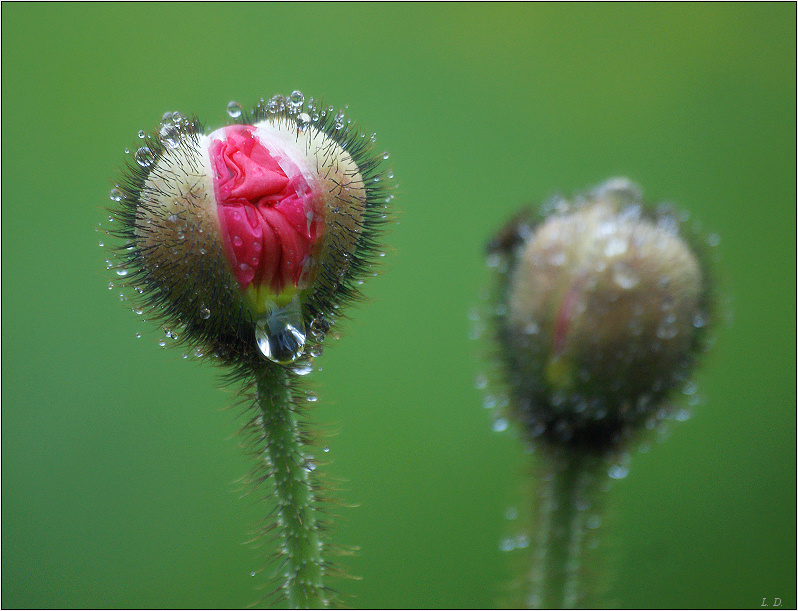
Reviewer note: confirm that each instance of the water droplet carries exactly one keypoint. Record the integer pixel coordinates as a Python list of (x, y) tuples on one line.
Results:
[(339, 119), (121, 271), (593, 522), (144, 157), (281, 333), (385, 155), (667, 329), (170, 136), (296, 99), (115, 195), (110, 286), (303, 369), (302, 121), (101, 243), (618, 471), (234, 109), (507, 544), (624, 276), (682, 414), (138, 335), (326, 449), (198, 352), (205, 312), (162, 343), (615, 246), (311, 396), (532, 328), (141, 133), (699, 320), (499, 425)]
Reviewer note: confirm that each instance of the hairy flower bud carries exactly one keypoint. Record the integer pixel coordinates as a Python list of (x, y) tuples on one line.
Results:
[(603, 310), (249, 236)]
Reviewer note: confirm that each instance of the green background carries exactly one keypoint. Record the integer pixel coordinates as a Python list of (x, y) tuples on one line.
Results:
[(118, 460)]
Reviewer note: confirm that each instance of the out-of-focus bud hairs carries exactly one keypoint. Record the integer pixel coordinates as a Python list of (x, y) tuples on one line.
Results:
[(246, 242)]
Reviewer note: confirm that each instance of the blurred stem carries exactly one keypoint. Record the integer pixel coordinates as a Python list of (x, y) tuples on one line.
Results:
[(568, 507), (299, 554)]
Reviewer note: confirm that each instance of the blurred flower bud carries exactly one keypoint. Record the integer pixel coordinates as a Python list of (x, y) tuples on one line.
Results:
[(603, 309)]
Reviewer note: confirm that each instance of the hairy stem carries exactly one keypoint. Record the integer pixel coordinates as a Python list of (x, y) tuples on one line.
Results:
[(300, 567), (564, 574)]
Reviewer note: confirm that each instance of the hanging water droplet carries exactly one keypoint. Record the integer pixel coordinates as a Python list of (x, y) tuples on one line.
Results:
[(281, 333), (234, 109), (162, 343), (115, 195), (311, 396), (205, 312), (141, 133), (144, 157), (198, 352), (303, 369), (138, 335), (121, 271), (296, 99)]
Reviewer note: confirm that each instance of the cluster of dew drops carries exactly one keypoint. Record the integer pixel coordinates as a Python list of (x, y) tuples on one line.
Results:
[(171, 132)]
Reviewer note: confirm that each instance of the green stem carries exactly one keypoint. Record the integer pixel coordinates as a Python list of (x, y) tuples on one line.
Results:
[(564, 572), (301, 567)]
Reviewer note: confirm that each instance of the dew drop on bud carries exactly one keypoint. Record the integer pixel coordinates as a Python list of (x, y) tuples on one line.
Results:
[(170, 136), (234, 109), (296, 99), (339, 119), (144, 157), (281, 333)]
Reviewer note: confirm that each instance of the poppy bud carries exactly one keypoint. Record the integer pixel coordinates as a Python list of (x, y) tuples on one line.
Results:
[(254, 233), (603, 310)]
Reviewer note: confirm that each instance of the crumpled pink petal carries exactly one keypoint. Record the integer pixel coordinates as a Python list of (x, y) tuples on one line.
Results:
[(267, 216)]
